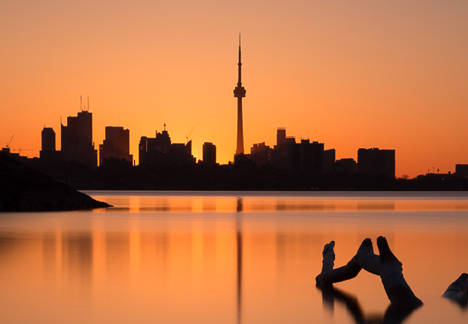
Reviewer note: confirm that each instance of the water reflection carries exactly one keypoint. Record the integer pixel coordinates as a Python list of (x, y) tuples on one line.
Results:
[(239, 260), (302, 202), (330, 295), (244, 266), (392, 315)]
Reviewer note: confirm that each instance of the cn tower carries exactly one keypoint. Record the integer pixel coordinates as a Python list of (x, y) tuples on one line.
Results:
[(239, 93)]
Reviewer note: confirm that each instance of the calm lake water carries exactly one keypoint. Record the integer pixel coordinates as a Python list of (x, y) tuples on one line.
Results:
[(227, 257)]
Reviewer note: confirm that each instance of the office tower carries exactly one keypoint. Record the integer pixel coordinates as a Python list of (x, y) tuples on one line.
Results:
[(48, 151), (281, 137), (376, 162), (306, 157), (239, 93), (260, 154), (209, 153), (346, 166), (160, 151), (461, 170), (77, 139), (328, 161), (116, 145), (48, 139)]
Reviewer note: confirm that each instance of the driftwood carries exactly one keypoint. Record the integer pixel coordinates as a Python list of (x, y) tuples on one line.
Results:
[(387, 266), (391, 274), (364, 259), (458, 290)]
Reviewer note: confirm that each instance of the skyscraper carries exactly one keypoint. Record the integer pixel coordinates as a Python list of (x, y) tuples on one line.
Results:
[(48, 139), (77, 139), (48, 151), (116, 145), (376, 161), (209, 153), (239, 93), (160, 151)]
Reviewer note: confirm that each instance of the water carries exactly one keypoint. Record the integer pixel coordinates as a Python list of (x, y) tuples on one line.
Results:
[(227, 257)]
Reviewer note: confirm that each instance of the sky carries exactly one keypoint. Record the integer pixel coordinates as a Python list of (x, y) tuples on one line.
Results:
[(348, 73)]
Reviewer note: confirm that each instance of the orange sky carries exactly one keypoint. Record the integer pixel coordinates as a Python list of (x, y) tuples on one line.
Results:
[(351, 74)]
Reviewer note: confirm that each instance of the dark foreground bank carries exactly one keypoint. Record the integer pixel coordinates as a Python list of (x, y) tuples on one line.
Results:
[(25, 189)]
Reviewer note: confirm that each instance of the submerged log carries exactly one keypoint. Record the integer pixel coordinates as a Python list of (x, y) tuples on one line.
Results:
[(458, 290), (398, 291), (387, 266), (367, 259), (364, 259), (329, 275)]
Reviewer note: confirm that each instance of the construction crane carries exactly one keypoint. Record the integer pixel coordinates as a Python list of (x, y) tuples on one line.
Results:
[(7, 148), (187, 136), (8, 144)]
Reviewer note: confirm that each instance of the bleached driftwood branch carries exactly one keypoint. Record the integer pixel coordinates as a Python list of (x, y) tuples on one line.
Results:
[(329, 275), (391, 273), (364, 259), (387, 266)]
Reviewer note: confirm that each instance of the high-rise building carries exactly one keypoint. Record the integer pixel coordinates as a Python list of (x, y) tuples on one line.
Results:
[(346, 166), (260, 154), (160, 151), (281, 137), (306, 157), (48, 151), (461, 170), (239, 93), (376, 162), (48, 139), (116, 145), (209, 153), (279, 156), (328, 161), (77, 139)]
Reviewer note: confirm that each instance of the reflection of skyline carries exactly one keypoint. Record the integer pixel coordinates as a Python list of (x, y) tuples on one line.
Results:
[(239, 259), (239, 266), (82, 263), (247, 203)]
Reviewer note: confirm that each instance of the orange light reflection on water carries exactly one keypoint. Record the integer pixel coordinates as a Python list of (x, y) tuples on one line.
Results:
[(230, 267), (180, 202)]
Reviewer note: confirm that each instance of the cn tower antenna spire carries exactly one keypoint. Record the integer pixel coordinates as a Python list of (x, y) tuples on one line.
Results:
[(239, 93)]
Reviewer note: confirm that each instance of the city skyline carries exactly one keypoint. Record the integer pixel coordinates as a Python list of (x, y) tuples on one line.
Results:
[(349, 75)]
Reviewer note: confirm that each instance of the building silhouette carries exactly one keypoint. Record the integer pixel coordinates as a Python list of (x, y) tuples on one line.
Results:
[(346, 166), (209, 153), (116, 145), (328, 161), (160, 151), (239, 93), (279, 156), (48, 139), (461, 170), (77, 139), (260, 154), (375, 161), (305, 157), (48, 151)]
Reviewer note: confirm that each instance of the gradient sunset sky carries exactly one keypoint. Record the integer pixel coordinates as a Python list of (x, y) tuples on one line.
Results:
[(351, 74)]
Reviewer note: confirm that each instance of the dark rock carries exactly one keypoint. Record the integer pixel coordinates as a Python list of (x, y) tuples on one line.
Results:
[(25, 189)]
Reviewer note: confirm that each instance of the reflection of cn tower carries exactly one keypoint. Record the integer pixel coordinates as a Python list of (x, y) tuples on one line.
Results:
[(239, 93), (239, 262)]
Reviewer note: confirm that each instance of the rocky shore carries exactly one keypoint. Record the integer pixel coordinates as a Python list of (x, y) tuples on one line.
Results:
[(25, 189)]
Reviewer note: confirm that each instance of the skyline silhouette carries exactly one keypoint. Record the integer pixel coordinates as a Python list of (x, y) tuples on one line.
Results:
[(309, 160), (351, 75)]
